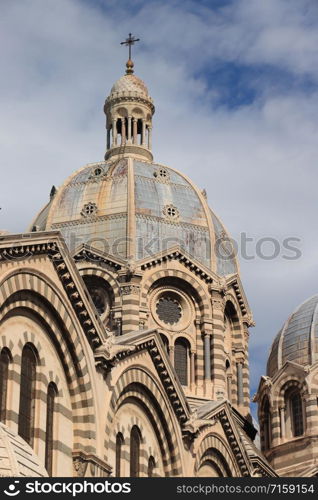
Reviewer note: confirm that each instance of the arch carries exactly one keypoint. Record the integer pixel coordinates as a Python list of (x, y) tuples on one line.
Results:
[(119, 445), (107, 276), (189, 282), (29, 363), (294, 416), (137, 385), (5, 360), (213, 445), (181, 360), (27, 292), (265, 418), (213, 464), (52, 393), (135, 442)]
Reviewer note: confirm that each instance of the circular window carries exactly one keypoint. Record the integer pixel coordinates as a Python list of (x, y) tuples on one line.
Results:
[(89, 209), (169, 310), (97, 171)]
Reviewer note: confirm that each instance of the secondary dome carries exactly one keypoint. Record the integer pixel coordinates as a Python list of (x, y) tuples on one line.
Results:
[(130, 83), (17, 457), (133, 209), (298, 339)]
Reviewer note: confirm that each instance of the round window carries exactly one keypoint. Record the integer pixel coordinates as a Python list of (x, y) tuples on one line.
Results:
[(169, 310)]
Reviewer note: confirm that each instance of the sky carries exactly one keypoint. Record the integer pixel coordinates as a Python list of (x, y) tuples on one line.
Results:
[(235, 89)]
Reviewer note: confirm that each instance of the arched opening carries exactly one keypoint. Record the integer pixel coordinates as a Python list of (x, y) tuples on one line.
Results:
[(5, 359), (49, 435), (151, 466), (181, 355), (213, 464), (266, 424), (135, 442), (119, 449), (27, 393), (294, 413)]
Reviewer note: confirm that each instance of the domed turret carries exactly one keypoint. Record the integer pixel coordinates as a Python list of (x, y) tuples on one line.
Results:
[(287, 396), (298, 339), (129, 110)]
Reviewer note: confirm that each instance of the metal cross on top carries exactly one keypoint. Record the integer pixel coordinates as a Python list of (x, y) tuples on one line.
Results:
[(130, 41)]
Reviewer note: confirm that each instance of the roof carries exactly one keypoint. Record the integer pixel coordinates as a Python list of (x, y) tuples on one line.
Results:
[(297, 341), (130, 208), (130, 83), (17, 457)]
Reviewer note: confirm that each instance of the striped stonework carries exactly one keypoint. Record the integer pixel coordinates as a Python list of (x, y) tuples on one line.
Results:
[(221, 453), (217, 346), (27, 291), (138, 385)]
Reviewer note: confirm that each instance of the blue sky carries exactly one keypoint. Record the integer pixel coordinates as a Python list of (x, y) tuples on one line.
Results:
[(234, 81)]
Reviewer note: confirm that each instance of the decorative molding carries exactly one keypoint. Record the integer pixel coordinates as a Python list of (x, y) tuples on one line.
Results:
[(129, 289)]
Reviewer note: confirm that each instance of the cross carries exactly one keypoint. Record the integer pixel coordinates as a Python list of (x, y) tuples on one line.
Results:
[(130, 41)]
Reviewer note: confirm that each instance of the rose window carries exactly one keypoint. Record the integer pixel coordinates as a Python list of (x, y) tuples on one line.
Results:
[(169, 310)]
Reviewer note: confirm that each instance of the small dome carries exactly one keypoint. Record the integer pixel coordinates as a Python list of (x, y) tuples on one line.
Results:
[(298, 339), (17, 457), (130, 83)]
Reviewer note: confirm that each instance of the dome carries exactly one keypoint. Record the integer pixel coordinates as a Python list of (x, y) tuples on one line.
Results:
[(297, 341), (134, 209), (17, 457), (130, 83)]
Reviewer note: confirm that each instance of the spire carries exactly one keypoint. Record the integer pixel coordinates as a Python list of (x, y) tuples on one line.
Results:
[(129, 110), (129, 42)]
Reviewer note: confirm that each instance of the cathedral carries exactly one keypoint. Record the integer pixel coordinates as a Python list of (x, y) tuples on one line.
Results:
[(124, 330)]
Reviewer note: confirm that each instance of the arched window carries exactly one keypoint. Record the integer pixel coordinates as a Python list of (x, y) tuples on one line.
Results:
[(294, 413), (119, 445), (296, 409), (49, 436), (181, 349), (5, 359), (266, 423), (27, 394), (151, 466), (135, 440)]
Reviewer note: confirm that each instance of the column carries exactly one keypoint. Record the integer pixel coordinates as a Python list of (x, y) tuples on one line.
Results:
[(149, 138), (108, 138), (282, 422), (123, 131), (143, 136), (134, 130), (171, 354), (192, 369), (114, 129), (240, 397), (129, 130), (207, 357)]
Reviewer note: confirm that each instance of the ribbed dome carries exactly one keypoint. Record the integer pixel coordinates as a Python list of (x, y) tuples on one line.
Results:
[(17, 457), (134, 209), (298, 339), (130, 83)]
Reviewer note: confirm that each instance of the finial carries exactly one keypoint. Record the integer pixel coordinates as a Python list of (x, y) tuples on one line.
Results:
[(129, 42)]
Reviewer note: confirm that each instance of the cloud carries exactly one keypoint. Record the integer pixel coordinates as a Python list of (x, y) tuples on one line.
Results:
[(235, 88)]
